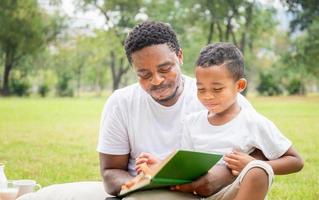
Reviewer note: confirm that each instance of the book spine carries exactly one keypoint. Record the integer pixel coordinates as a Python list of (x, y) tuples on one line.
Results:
[(167, 181)]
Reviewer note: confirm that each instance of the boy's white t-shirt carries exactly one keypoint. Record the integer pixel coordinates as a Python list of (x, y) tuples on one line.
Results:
[(133, 122), (247, 131)]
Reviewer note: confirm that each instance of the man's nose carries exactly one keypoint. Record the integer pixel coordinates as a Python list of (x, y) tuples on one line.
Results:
[(157, 79)]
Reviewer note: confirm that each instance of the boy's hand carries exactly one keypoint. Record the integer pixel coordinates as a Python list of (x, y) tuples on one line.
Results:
[(146, 161), (236, 161)]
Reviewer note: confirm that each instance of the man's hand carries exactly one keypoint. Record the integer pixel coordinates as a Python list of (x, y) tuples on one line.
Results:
[(236, 161), (146, 162), (217, 178), (132, 182)]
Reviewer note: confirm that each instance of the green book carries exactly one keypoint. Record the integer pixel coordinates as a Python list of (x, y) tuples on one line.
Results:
[(181, 166)]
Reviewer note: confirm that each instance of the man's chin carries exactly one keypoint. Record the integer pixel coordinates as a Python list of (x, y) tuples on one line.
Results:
[(163, 99)]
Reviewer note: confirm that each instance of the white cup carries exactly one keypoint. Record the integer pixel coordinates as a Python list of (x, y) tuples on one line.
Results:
[(26, 186), (9, 193)]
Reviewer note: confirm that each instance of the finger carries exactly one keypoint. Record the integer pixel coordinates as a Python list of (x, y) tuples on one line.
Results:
[(231, 161), (141, 160), (123, 187), (138, 169), (232, 156), (145, 155), (128, 184), (186, 187), (233, 167), (235, 172)]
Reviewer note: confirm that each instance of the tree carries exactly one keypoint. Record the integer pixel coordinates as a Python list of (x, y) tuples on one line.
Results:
[(305, 13), (304, 51), (119, 18), (25, 29)]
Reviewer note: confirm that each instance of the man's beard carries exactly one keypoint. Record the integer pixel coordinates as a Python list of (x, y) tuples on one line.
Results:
[(172, 96)]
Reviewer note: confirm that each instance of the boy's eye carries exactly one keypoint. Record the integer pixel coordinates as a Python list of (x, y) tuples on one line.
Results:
[(201, 90), (217, 89)]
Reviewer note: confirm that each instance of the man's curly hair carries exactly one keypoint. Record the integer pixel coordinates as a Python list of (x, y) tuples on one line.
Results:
[(150, 33), (223, 53)]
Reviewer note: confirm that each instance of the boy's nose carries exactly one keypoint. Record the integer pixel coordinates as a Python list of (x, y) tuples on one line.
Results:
[(209, 96)]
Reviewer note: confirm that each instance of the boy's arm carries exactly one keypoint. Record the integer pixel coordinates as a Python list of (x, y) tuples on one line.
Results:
[(289, 162)]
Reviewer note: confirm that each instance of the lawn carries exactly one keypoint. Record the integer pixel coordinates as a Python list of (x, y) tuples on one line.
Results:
[(54, 140)]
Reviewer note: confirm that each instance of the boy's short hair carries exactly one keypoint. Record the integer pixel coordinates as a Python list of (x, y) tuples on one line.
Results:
[(150, 33), (223, 53)]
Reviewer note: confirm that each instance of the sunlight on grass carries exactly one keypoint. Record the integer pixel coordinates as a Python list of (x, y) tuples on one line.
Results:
[(54, 140)]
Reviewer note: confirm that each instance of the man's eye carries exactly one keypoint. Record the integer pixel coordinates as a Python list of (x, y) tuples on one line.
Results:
[(201, 90), (165, 69), (144, 76)]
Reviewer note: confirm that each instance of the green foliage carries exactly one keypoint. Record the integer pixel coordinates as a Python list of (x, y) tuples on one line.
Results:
[(296, 86), (43, 89), (97, 61), (63, 88), (304, 13), (304, 51), (25, 29), (268, 86), (20, 87)]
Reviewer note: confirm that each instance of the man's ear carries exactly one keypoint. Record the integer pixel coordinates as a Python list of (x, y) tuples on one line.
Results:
[(180, 56), (241, 84)]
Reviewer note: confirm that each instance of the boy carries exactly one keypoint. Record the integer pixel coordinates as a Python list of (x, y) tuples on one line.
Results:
[(226, 128)]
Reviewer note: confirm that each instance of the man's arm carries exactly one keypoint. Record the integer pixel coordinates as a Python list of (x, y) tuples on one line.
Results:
[(113, 169)]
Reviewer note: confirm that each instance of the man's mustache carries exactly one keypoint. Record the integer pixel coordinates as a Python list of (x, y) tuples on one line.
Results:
[(158, 87)]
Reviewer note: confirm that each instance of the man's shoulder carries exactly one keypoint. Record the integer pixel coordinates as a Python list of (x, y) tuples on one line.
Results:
[(126, 95), (127, 91)]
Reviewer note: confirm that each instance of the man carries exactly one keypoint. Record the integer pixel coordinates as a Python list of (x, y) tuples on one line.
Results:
[(147, 116)]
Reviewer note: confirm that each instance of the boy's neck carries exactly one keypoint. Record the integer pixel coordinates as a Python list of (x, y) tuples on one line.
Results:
[(227, 115)]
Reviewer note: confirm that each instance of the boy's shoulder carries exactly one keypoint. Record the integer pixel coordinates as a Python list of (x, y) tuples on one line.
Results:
[(254, 118)]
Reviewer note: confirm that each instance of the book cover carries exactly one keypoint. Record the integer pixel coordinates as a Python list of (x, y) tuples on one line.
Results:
[(181, 166)]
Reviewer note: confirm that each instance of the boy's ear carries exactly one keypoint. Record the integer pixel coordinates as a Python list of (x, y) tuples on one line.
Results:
[(241, 84)]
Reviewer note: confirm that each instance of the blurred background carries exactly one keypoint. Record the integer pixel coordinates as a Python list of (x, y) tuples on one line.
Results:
[(75, 47), (61, 59)]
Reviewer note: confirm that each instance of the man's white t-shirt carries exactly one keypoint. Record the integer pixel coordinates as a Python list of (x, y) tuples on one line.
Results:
[(247, 131), (133, 122)]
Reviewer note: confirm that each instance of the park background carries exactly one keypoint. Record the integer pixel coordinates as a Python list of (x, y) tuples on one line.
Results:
[(60, 60)]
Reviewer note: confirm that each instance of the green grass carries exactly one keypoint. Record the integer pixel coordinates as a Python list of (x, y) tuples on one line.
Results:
[(54, 140)]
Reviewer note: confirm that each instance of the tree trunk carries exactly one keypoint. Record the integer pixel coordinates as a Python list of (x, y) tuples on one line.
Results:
[(248, 19), (220, 31), (117, 74), (7, 68), (210, 33)]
